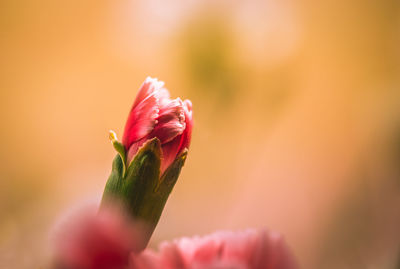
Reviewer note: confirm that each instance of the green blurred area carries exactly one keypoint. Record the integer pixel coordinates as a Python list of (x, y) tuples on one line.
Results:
[(296, 106)]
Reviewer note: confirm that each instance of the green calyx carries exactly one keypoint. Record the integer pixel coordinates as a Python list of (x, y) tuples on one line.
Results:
[(140, 188), (119, 148)]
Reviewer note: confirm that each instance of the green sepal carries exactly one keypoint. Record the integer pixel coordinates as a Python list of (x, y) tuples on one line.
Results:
[(121, 151), (141, 178), (114, 182), (172, 173), (141, 190), (127, 186), (119, 148), (152, 202)]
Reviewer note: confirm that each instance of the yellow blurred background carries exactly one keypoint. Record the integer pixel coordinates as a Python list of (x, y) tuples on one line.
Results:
[(296, 106)]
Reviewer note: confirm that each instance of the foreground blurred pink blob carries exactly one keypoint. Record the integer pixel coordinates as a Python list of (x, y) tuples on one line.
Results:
[(95, 240), (250, 249), (106, 240), (154, 114)]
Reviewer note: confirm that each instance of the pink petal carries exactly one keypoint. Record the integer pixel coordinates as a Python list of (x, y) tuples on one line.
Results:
[(170, 122), (144, 260), (134, 149), (141, 120), (172, 149), (170, 152), (171, 257), (149, 86), (187, 134), (208, 252)]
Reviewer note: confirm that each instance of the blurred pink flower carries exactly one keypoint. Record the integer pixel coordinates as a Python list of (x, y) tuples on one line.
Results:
[(154, 114), (95, 240), (249, 249)]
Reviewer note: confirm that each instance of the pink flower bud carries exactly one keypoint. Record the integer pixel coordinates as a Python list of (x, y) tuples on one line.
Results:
[(154, 114)]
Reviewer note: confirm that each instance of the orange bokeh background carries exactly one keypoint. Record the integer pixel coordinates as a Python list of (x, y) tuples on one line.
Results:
[(296, 106)]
